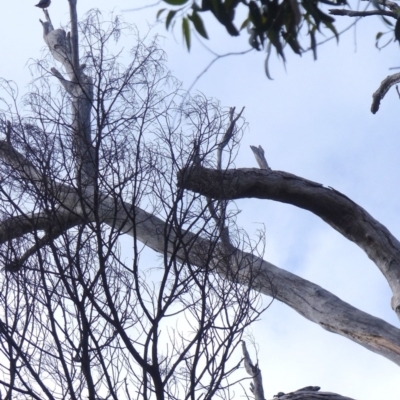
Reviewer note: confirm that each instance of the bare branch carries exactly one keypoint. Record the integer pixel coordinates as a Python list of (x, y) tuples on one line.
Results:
[(228, 135), (391, 5), (257, 386), (352, 13), (74, 39), (260, 157), (310, 300), (304, 394), (19, 226), (17, 161), (65, 49), (341, 213), (384, 87)]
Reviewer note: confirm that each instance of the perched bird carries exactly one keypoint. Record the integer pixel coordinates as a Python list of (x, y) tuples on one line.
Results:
[(43, 4)]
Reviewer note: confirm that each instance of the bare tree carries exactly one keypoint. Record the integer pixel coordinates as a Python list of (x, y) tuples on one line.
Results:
[(112, 151), (85, 312)]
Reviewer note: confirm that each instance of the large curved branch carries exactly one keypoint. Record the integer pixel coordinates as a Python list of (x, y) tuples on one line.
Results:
[(310, 300), (348, 218)]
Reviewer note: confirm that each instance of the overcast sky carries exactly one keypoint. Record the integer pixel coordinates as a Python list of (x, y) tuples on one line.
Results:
[(313, 120)]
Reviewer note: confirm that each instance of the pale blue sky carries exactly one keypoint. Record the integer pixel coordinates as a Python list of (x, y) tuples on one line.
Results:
[(313, 120)]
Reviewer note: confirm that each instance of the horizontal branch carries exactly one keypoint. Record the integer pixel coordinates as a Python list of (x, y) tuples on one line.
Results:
[(391, 5), (310, 300), (306, 395), (341, 213), (352, 13), (15, 227)]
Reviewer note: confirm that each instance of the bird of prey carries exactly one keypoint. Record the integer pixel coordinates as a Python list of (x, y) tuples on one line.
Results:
[(43, 4)]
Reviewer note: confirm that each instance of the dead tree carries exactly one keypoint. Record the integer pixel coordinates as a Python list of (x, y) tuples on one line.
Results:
[(87, 313), (113, 154)]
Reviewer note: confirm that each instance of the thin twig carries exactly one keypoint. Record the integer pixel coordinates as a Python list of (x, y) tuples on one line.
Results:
[(143, 7)]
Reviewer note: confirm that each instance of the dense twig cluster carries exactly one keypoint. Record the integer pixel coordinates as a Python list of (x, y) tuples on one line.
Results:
[(86, 312)]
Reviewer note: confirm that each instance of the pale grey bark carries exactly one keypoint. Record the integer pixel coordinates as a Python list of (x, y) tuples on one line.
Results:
[(311, 301), (336, 209), (308, 299), (383, 88), (308, 395), (254, 371), (260, 157), (65, 49)]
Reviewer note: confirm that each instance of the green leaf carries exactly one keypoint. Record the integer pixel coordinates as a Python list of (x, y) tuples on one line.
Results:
[(293, 43), (170, 17), (159, 12), (176, 2), (266, 63), (273, 36), (255, 14), (198, 24), (333, 30), (245, 23), (387, 21), (215, 6), (397, 30), (196, 7), (186, 32), (313, 43), (379, 36)]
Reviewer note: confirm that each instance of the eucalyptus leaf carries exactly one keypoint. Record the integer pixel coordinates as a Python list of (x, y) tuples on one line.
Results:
[(198, 24), (169, 19), (397, 30), (186, 32), (159, 12)]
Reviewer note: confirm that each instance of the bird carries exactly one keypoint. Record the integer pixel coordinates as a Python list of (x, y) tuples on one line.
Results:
[(43, 4)]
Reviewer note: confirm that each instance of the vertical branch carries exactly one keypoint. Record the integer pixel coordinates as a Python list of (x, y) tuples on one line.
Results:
[(65, 49), (221, 216), (8, 133), (260, 157), (256, 386), (74, 38)]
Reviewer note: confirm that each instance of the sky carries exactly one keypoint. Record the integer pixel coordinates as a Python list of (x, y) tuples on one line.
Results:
[(312, 120)]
